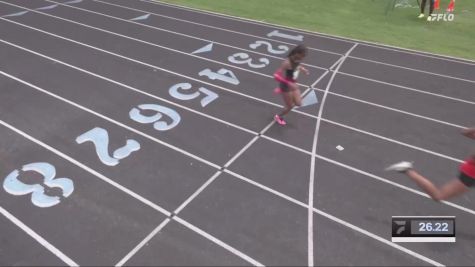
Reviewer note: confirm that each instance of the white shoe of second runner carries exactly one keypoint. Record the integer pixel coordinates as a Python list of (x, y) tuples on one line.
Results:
[(402, 166)]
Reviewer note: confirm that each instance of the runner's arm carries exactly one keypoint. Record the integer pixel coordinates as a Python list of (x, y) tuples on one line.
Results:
[(305, 70), (469, 132)]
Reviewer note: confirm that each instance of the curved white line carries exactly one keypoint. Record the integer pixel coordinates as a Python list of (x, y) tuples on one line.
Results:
[(313, 158)]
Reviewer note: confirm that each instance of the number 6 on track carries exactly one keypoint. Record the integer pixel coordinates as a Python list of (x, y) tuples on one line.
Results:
[(160, 125)]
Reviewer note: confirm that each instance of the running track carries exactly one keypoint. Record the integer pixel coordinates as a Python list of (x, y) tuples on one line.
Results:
[(187, 166)]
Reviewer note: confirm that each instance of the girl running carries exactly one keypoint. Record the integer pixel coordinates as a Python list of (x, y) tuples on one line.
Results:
[(466, 178), (286, 75)]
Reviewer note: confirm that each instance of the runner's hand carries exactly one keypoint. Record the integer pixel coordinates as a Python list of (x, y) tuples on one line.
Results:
[(469, 132), (304, 70)]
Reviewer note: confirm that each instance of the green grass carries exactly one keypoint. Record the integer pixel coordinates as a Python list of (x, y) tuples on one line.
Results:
[(361, 19)]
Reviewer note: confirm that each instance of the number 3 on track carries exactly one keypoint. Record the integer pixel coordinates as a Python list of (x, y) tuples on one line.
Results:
[(14, 186)]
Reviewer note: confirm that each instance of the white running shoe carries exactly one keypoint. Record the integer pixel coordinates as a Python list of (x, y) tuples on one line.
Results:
[(402, 166)]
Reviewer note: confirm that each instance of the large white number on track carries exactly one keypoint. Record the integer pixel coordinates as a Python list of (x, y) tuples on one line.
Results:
[(282, 48), (158, 124), (243, 58), (12, 185), (100, 138), (220, 75), (276, 33), (210, 96)]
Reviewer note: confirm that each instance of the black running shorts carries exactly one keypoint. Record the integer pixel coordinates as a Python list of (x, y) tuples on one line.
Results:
[(467, 180)]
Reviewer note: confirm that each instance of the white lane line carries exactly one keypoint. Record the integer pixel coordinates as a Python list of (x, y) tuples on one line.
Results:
[(324, 35), (150, 43), (249, 144), (312, 160), (153, 66), (235, 92), (125, 259), (142, 243), (287, 145), (241, 19), (197, 192), (193, 196), (73, 2), (206, 48), (459, 60), (86, 168), (394, 109), (382, 106), (100, 176), (265, 188), (409, 88), (136, 196), (283, 143), (325, 73), (331, 122), (109, 181), (326, 51), (177, 149), (319, 79), (336, 63), (173, 18), (370, 175), (130, 88), (218, 242), (229, 65), (15, 14), (378, 238), (257, 99), (394, 141), (226, 165), (126, 190), (440, 95), (214, 27), (415, 70), (271, 77), (47, 7), (335, 219), (313, 83), (37, 237)]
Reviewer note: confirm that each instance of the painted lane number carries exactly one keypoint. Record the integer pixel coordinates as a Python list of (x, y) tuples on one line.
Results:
[(224, 75), (159, 125), (282, 49), (243, 58), (39, 198), (276, 33), (177, 91), (100, 138)]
